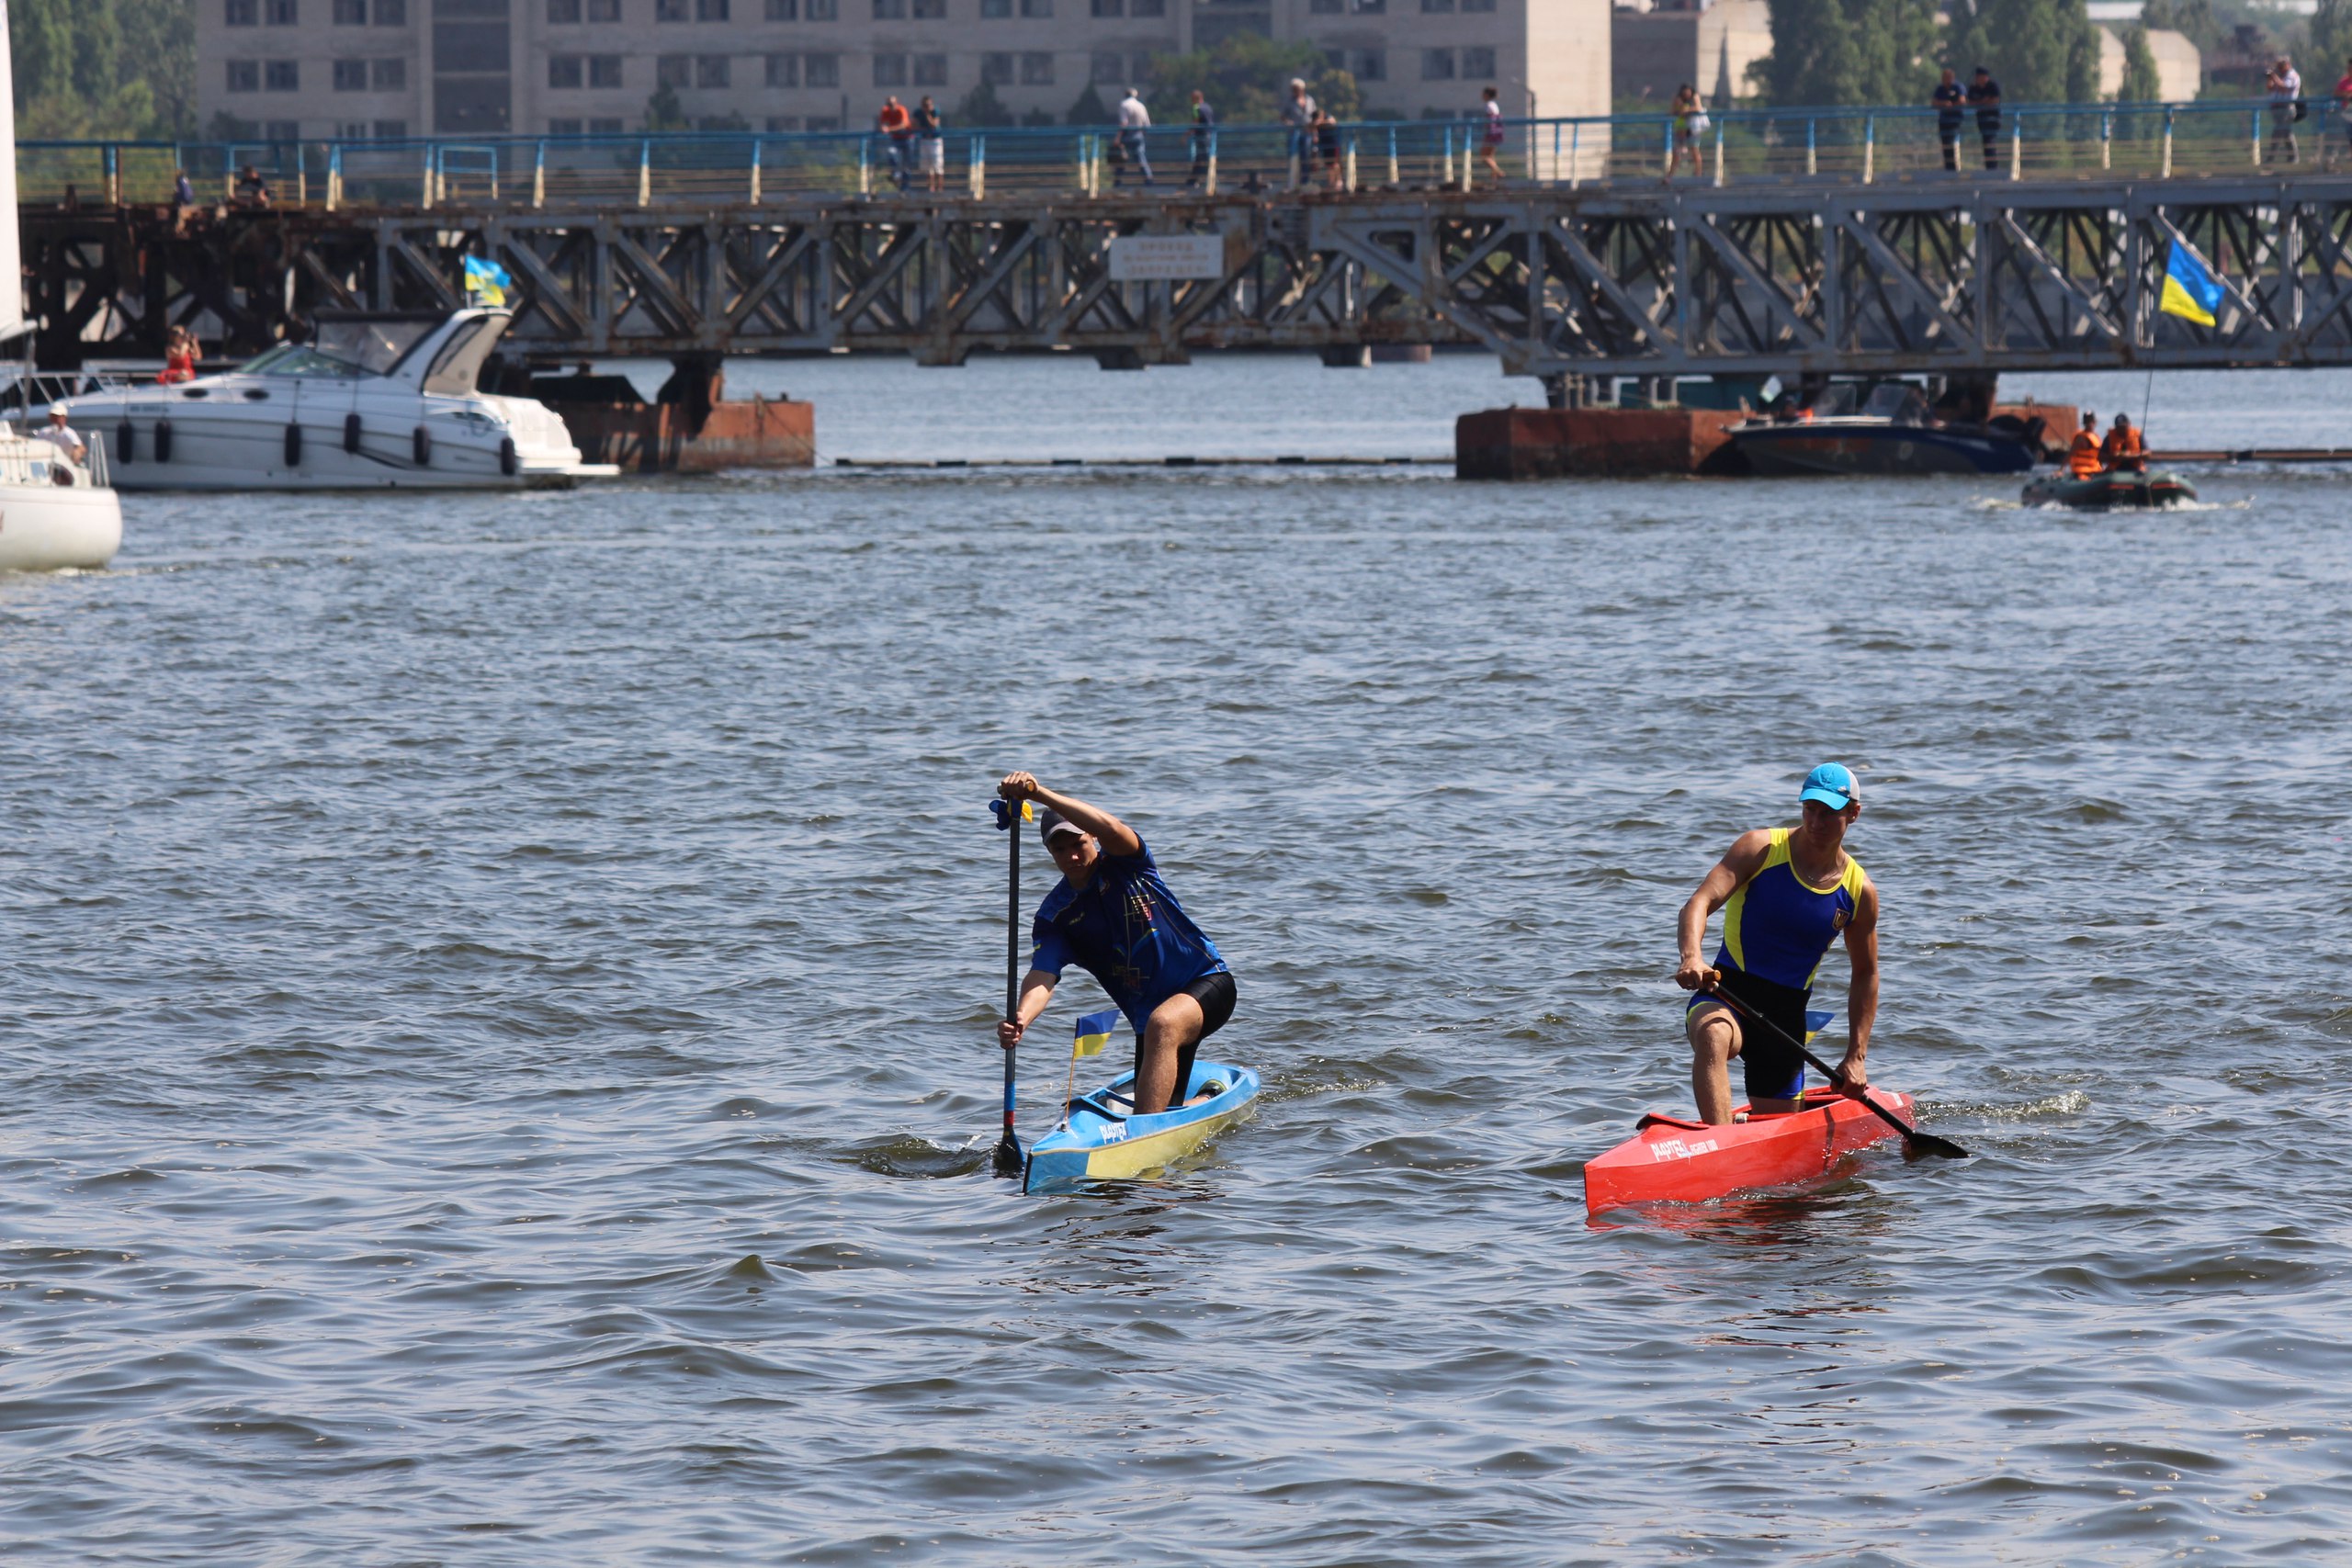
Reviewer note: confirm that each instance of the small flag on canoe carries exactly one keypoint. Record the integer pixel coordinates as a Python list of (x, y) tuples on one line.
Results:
[(1094, 1032), (2192, 291), (486, 281)]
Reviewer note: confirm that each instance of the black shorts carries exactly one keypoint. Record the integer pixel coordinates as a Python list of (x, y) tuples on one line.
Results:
[(1215, 994), (1772, 1069)]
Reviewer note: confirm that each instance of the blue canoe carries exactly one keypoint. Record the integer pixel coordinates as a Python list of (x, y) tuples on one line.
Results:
[(1101, 1141)]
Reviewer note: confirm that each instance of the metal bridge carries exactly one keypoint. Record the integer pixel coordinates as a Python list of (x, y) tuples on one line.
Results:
[(1965, 274)]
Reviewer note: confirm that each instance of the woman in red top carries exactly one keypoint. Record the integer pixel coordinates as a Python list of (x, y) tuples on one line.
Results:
[(180, 354)]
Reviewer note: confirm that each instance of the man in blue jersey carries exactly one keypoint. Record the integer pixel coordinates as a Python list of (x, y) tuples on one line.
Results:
[(1786, 894), (1112, 916)]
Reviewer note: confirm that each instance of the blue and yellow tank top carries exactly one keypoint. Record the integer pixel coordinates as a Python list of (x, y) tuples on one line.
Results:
[(1778, 926)]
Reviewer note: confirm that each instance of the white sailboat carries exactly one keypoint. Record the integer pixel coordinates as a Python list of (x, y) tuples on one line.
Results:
[(54, 512)]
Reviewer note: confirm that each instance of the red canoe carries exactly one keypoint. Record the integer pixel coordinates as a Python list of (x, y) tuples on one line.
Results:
[(1672, 1161)]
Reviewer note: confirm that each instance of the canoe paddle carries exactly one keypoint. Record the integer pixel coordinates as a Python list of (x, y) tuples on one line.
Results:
[(1008, 817), (1914, 1142)]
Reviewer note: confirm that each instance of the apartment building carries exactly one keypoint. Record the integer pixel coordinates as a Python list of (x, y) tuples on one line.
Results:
[(307, 69)]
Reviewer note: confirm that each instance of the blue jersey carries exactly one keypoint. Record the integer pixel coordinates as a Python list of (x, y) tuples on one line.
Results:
[(1127, 929), (1778, 926)]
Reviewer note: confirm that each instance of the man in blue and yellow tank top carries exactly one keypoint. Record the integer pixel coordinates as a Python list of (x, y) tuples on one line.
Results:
[(1786, 893)]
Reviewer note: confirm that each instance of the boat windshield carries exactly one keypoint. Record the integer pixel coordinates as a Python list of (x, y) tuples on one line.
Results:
[(1893, 400), (345, 348), (1838, 400)]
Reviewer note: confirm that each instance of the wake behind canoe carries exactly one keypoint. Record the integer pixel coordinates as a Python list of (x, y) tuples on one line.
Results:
[(1101, 1141), (1669, 1159)]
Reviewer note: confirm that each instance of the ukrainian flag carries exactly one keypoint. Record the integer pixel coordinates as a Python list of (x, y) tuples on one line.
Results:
[(1094, 1032), (486, 281), (2192, 291)]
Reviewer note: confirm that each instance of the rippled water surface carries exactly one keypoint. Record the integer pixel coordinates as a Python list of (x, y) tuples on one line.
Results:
[(498, 991)]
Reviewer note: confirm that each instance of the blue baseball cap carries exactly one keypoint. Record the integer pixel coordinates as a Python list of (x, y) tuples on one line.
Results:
[(1832, 783)]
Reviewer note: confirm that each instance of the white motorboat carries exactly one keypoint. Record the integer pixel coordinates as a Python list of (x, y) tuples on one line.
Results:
[(373, 400), (54, 512)]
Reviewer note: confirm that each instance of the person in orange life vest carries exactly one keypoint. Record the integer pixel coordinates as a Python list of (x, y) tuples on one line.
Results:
[(2082, 458), (2122, 449), (1786, 893)]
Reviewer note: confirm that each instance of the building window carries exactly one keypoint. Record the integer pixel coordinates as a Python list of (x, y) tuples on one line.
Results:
[(566, 70), (889, 10), (1478, 64), (1368, 7), (563, 128), (824, 122), (351, 131), (783, 10), (350, 75), (1118, 7), (239, 13), (605, 125), (930, 10), (823, 10), (889, 70), (1105, 66), (1326, 7), (783, 123), (351, 13), (822, 70), (1148, 8), (389, 130), (996, 68), (282, 13), (244, 76), (603, 11), (1037, 7), (996, 7), (710, 70), (562, 13), (603, 71), (674, 71), (710, 10), (1436, 64), (281, 131), (1437, 4), (1477, 4), (931, 70), (1037, 69), (390, 75), (281, 77), (392, 14), (783, 71), (1371, 65), (672, 10)]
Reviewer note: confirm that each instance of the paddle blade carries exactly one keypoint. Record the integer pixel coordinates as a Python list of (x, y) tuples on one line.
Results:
[(1009, 1159), (1917, 1146)]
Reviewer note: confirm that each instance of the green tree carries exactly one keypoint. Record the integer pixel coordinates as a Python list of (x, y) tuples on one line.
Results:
[(2330, 33), (981, 107), (1088, 109), (664, 112), (1813, 59), (103, 68), (2139, 83), (2041, 51), (1244, 78)]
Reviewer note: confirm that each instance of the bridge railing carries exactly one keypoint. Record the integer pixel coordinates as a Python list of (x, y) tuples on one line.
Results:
[(1846, 145)]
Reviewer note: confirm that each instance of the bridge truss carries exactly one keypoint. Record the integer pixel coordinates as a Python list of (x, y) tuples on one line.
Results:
[(1956, 274)]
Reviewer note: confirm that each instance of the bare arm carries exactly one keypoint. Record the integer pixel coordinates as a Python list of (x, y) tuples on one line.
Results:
[(1117, 836), (1862, 987), (1742, 860), (1037, 990)]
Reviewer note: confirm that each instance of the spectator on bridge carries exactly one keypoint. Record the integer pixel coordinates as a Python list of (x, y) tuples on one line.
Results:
[(2124, 449), (251, 189), (897, 138), (930, 147), (2083, 458), (2286, 87), (181, 352), (1985, 95), (1327, 150), (183, 201), (1204, 137), (1297, 114), (2343, 96), (1685, 110), (1948, 97), (1134, 120), (1490, 140)]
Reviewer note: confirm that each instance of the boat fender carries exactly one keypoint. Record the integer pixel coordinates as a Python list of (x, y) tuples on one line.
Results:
[(509, 460), (351, 433), (420, 447), (293, 444), (162, 441), (126, 440)]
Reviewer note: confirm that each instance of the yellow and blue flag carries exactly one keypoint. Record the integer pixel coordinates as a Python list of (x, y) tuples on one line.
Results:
[(2192, 291), (486, 281), (1094, 1032)]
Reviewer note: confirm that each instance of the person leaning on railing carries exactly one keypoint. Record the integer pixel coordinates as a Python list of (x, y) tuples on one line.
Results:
[(1948, 97), (1984, 95)]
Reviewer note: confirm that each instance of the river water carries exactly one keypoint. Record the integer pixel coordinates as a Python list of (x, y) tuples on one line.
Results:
[(498, 994)]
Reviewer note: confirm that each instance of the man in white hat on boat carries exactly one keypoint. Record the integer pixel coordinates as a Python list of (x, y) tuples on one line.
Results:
[(1112, 916), (1786, 893)]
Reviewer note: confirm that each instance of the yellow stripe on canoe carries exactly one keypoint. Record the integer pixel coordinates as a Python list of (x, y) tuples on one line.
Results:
[(1134, 1157)]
